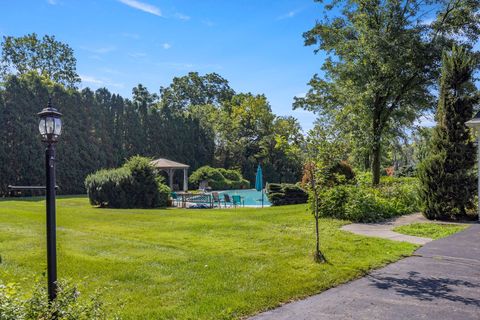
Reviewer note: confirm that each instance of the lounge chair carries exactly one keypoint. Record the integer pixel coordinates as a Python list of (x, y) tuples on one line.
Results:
[(175, 199), (238, 201), (227, 200), (216, 199), (203, 185)]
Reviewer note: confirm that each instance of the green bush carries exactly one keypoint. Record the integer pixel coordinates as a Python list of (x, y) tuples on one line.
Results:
[(218, 178), (285, 193), (362, 203), (341, 173), (164, 194), (135, 185), (109, 188), (230, 174), (406, 171), (68, 305), (239, 184)]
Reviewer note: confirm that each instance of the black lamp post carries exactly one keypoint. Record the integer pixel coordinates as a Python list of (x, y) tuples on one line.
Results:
[(50, 127)]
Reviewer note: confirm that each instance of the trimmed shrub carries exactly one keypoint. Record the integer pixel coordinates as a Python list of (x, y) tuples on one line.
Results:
[(285, 193), (362, 203), (230, 174), (219, 178), (109, 188), (135, 185)]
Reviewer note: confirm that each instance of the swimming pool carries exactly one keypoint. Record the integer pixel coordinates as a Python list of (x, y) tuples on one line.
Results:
[(251, 197)]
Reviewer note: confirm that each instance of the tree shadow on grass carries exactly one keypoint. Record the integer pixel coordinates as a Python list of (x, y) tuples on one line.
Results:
[(427, 289)]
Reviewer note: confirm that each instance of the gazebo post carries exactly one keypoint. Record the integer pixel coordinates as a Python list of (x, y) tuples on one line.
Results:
[(170, 178), (185, 179)]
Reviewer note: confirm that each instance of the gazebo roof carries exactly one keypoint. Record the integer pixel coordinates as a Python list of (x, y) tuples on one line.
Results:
[(162, 163), (474, 122)]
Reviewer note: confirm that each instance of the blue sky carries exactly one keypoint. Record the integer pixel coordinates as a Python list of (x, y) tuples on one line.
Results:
[(255, 44)]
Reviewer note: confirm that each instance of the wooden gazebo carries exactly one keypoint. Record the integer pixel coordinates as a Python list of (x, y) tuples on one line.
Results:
[(169, 167)]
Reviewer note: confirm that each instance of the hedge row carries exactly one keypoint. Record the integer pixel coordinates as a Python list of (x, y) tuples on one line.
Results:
[(218, 178), (135, 185), (283, 194)]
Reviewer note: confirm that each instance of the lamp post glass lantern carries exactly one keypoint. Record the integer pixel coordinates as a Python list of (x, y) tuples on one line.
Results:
[(474, 123), (50, 127)]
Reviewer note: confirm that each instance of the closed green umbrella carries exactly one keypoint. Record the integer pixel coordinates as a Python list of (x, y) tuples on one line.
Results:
[(259, 181)]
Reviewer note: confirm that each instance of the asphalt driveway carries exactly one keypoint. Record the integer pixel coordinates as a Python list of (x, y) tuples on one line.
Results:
[(441, 281)]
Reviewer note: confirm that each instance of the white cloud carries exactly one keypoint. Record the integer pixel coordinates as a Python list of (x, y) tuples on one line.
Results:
[(182, 16), (289, 14), (52, 2), (166, 46), (101, 50), (111, 71), (142, 6), (92, 80), (100, 82)]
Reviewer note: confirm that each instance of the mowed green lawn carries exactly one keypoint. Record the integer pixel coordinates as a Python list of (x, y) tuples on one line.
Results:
[(186, 264), (430, 230)]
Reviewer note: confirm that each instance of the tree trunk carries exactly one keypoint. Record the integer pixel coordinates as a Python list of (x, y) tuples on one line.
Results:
[(376, 146), (376, 159), (317, 247), (319, 257), (366, 162)]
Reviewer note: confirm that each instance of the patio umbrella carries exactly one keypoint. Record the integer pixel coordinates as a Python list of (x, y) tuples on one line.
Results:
[(259, 181)]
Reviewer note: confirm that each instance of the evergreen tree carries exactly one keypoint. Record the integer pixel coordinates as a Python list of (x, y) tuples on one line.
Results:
[(447, 178)]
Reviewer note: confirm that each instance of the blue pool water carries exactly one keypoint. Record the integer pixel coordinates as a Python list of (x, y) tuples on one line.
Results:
[(251, 197)]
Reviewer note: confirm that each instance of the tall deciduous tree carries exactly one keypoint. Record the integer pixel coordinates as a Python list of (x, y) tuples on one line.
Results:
[(46, 56), (195, 90), (446, 175), (382, 64)]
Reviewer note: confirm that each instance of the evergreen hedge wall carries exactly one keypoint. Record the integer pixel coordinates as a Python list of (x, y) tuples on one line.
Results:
[(100, 130)]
